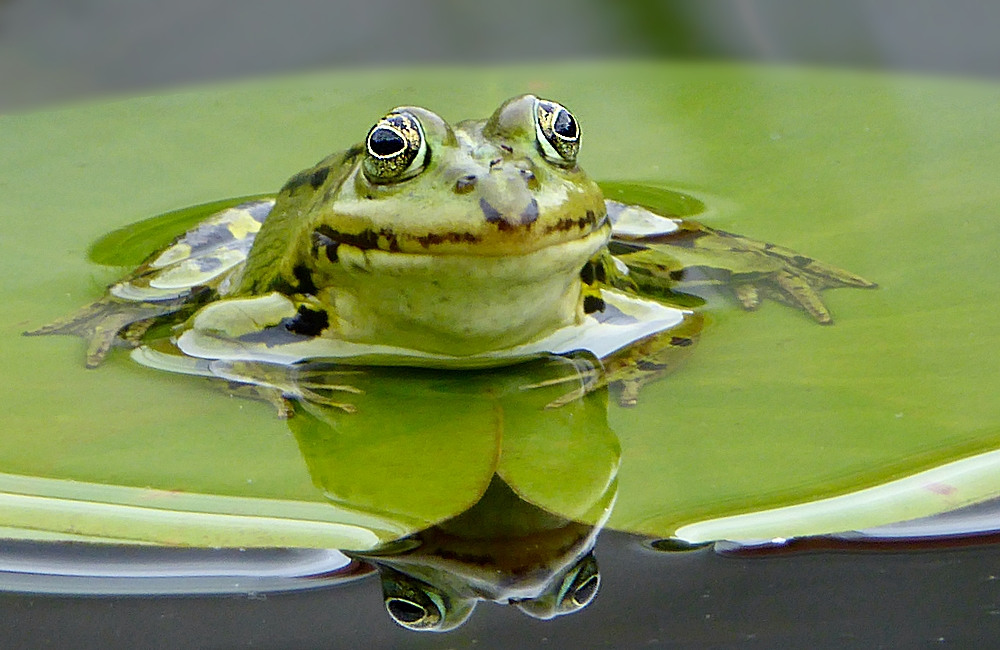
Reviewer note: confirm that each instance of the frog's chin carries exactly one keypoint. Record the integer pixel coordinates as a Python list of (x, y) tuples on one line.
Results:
[(458, 303)]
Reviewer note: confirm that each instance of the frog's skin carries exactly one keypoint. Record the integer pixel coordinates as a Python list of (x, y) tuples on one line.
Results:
[(475, 244), (503, 549)]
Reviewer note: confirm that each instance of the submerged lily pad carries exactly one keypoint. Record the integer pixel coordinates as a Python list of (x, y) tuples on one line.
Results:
[(892, 177)]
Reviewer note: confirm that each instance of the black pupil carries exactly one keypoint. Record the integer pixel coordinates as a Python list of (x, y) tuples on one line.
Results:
[(385, 142), (565, 125)]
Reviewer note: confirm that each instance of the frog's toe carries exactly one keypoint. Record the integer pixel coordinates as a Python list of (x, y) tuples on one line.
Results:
[(316, 385), (98, 346), (316, 397), (799, 292), (629, 395), (748, 296), (569, 397), (579, 370)]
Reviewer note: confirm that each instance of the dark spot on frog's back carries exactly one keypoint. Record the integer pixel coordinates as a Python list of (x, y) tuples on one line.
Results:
[(311, 177), (318, 177)]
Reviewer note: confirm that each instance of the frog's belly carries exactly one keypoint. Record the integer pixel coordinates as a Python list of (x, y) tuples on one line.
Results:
[(456, 304)]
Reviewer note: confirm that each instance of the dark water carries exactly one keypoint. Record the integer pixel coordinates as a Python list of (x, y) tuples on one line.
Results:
[(942, 593)]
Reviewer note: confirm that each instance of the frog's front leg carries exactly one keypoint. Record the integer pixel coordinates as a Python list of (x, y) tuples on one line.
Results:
[(663, 253)]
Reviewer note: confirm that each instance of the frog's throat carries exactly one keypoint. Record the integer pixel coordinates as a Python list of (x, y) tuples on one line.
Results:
[(457, 304)]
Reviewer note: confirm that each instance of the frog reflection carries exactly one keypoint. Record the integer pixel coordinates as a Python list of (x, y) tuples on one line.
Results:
[(484, 494), (503, 549)]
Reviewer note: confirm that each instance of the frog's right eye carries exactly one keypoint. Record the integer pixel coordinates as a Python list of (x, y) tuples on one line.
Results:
[(396, 149), (557, 132)]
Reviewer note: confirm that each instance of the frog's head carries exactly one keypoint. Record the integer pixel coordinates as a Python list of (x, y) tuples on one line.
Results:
[(509, 184), (449, 239)]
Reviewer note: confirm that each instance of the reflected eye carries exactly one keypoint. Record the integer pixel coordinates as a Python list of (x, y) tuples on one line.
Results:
[(581, 594), (557, 131), (396, 149), (411, 614)]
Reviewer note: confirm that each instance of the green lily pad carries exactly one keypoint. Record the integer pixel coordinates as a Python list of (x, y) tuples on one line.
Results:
[(891, 177)]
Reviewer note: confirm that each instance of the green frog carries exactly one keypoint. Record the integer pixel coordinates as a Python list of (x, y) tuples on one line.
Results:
[(478, 244)]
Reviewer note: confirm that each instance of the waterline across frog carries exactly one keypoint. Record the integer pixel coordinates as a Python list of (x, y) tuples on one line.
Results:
[(470, 245)]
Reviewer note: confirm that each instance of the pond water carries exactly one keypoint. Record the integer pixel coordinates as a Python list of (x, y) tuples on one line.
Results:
[(774, 428)]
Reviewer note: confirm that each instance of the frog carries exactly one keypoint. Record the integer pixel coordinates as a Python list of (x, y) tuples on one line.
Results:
[(477, 244)]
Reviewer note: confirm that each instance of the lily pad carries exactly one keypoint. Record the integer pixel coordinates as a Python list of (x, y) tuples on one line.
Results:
[(892, 177)]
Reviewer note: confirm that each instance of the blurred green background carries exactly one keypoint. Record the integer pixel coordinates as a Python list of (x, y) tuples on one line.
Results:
[(58, 50)]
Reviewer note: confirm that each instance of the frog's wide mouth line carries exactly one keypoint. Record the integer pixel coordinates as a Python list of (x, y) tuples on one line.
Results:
[(501, 240), (521, 265)]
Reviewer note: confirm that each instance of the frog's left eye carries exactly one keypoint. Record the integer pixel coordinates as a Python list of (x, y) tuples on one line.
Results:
[(396, 149), (557, 132)]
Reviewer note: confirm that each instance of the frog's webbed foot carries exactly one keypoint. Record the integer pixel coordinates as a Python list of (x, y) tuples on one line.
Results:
[(101, 322), (796, 281), (692, 254), (280, 385)]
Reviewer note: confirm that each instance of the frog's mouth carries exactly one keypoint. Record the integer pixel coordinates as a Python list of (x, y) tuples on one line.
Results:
[(500, 238)]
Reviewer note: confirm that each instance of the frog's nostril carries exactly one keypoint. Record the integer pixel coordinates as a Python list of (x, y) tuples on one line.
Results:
[(465, 184)]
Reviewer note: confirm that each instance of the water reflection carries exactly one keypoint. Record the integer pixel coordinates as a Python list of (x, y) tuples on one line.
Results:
[(503, 549), (504, 497)]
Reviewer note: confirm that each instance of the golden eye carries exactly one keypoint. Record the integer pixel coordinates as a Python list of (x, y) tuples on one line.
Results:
[(396, 149), (557, 132)]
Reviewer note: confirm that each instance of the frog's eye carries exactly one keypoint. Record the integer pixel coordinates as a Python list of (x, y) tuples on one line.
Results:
[(396, 149), (557, 132)]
